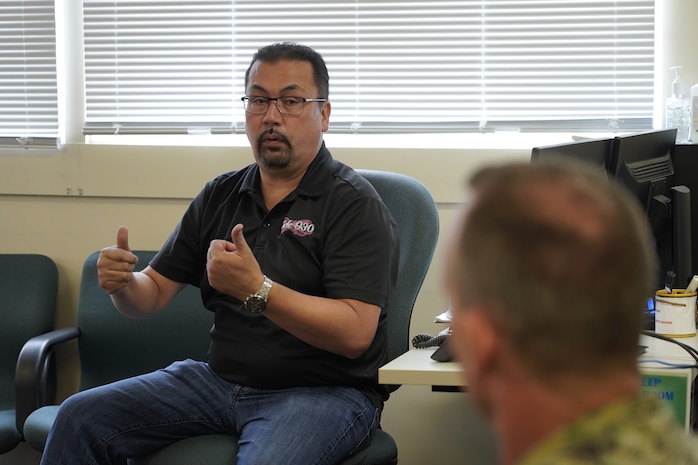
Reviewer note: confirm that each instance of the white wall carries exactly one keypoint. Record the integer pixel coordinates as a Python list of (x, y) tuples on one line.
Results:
[(69, 204)]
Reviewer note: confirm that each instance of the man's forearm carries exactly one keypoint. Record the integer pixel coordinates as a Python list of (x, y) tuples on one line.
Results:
[(143, 296)]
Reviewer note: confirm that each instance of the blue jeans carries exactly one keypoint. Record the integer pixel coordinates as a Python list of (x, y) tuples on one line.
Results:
[(136, 416)]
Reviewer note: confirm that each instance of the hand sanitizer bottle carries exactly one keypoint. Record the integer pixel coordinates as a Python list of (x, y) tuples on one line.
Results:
[(678, 109), (694, 114)]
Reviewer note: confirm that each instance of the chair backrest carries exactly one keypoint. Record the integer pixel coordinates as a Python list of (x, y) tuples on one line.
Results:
[(28, 290), (114, 347), (416, 215)]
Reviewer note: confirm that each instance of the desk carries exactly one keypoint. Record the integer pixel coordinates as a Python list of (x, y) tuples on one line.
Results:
[(672, 384), (416, 367), (666, 351)]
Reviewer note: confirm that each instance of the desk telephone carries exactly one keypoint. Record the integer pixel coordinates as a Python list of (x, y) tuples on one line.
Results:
[(443, 353)]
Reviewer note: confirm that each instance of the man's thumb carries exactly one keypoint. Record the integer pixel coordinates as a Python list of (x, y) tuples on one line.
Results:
[(122, 239), (238, 237)]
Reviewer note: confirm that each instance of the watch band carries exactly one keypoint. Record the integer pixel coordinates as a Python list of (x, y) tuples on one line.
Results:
[(263, 291), (257, 302)]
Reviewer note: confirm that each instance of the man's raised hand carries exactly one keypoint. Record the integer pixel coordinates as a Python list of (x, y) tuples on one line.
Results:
[(116, 264), (231, 266)]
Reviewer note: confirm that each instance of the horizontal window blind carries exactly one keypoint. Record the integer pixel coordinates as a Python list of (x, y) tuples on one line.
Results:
[(395, 66), (28, 81)]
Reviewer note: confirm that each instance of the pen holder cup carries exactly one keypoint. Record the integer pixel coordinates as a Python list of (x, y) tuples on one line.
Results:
[(675, 313)]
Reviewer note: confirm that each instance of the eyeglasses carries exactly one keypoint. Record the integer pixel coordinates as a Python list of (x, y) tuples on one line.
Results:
[(286, 105)]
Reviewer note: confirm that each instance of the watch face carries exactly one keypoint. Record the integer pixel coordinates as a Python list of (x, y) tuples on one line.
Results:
[(255, 304)]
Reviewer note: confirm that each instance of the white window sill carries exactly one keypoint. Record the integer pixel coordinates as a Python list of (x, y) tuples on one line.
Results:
[(496, 140)]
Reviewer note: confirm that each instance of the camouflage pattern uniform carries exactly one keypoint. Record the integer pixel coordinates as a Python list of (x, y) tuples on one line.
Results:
[(637, 431)]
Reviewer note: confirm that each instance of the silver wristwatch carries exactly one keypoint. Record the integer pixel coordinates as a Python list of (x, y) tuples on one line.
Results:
[(257, 302)]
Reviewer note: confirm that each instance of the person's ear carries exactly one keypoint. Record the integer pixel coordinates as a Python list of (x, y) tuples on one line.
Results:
[(483, 339), (326, 110)]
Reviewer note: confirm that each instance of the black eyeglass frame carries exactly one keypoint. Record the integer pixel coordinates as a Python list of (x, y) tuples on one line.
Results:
[(279, 104)]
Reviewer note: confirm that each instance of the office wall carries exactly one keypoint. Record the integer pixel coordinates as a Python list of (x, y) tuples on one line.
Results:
[(69, 204)]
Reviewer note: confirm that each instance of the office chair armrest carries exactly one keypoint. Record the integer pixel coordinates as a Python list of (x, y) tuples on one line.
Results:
[(32, 376)]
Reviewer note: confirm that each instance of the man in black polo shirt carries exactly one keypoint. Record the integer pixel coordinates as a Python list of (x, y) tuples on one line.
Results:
[(297, 256)]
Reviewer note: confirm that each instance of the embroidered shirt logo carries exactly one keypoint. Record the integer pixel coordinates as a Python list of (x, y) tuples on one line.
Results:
[(300, 228)]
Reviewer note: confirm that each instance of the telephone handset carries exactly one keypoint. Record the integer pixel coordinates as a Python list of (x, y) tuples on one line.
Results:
[(443, 352)]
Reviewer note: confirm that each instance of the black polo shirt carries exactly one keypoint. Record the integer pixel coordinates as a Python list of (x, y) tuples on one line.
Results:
[(332, 237)]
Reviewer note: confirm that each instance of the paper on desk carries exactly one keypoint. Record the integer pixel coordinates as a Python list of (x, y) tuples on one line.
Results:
[(445, 317)]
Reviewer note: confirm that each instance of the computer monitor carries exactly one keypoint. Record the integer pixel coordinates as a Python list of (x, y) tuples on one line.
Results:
[(594, 152), (685, 158), (642, 162)]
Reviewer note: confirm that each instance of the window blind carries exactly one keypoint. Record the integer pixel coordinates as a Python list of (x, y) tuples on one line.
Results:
[(395, 66), (28, 82)]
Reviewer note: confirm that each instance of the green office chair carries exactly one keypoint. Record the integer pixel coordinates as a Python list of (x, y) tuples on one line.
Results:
[(112, 347), (28, 289), (414, 211)]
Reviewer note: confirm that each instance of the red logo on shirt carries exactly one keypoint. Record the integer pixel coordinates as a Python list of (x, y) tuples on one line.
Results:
[(300, 228)]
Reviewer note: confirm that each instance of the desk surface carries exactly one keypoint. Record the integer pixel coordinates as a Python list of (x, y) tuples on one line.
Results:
[(667, 351), (416, 367)]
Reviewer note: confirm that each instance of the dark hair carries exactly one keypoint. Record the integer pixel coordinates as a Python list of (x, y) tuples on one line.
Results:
[(290, 51)]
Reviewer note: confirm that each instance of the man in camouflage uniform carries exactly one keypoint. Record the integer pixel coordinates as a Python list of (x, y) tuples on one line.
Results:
[(548, 274)]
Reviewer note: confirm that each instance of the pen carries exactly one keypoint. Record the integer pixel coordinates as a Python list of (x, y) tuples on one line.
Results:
[(669, 281)]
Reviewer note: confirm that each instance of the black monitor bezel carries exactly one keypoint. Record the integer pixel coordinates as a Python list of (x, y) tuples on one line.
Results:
[(593, 152)]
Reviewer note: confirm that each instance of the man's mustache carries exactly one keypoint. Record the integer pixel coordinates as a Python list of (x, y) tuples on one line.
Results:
[(270, 132)]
